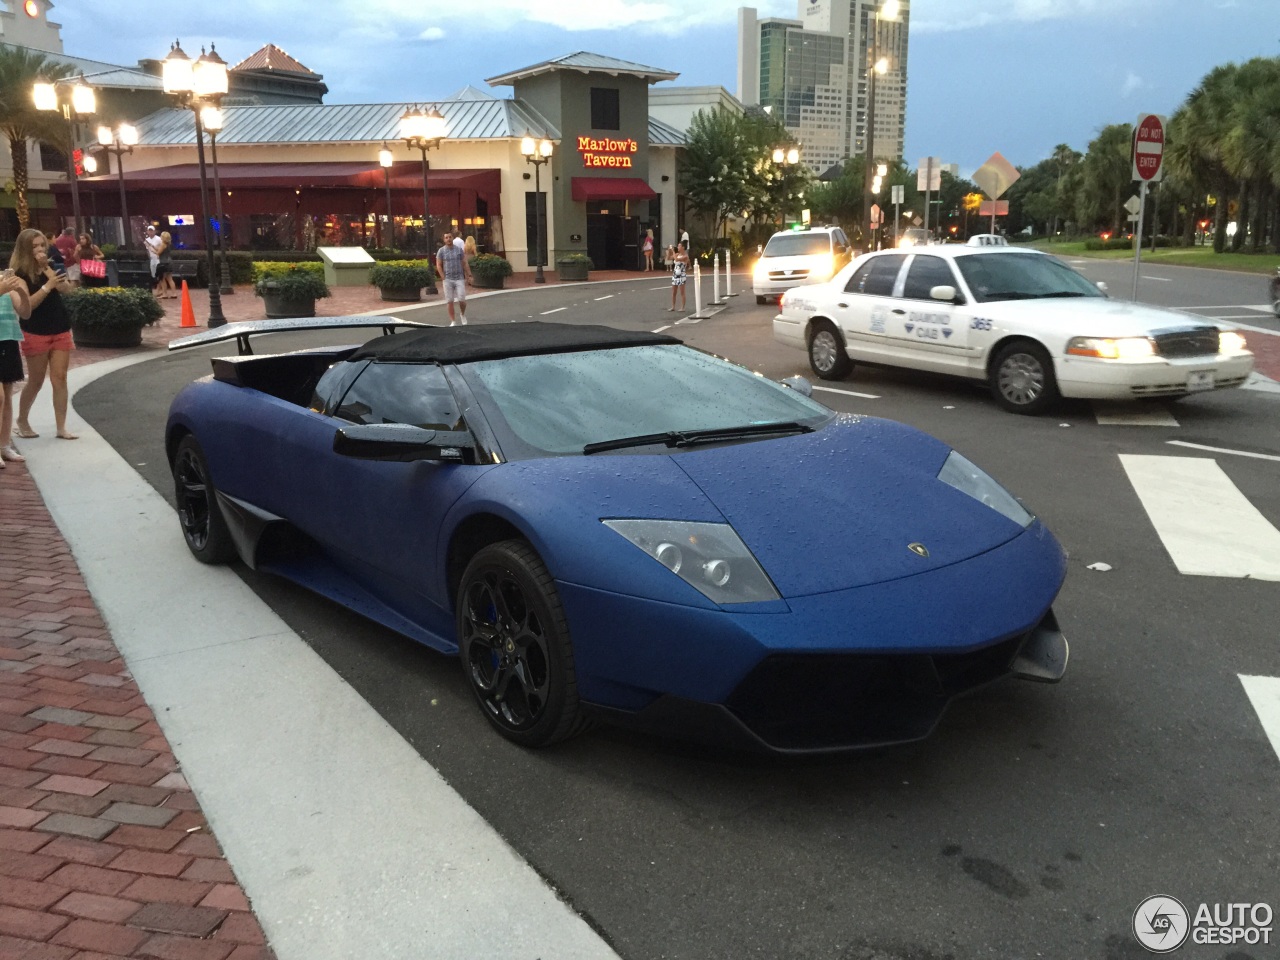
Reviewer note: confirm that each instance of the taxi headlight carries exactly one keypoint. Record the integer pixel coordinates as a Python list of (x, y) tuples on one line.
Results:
[(960, 473), (1229, 341), (1112, 348), (710, 557)]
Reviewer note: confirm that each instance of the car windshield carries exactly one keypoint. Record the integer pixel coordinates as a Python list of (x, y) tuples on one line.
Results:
[(560, 403), (797, 244), (1021, 276)]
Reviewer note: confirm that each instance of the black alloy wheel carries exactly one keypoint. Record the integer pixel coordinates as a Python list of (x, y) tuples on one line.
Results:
[(203, 526), (513, 640), (1022, 378), (827, 358)]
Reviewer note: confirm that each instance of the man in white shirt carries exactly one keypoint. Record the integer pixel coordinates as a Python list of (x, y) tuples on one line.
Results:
[(153, 244)]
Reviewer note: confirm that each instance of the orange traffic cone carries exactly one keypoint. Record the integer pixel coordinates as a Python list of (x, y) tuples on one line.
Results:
[(188, 315)]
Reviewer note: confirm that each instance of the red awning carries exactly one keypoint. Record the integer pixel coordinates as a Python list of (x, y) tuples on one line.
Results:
[(611, 188)]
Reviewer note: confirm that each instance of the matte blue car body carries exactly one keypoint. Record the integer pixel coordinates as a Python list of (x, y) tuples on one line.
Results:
[(831, 530)]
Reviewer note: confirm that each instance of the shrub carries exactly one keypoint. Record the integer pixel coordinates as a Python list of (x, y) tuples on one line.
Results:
[(294, 282), (264, 270), (402, 274), (112, 308), (488, 267), (576, 258)]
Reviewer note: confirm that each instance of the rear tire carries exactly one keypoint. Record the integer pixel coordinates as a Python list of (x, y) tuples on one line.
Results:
[(827, 358), (203, 526), (761, 301), (1022, 378), (514, 644)]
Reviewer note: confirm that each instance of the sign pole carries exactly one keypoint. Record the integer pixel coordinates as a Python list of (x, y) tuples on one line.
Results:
[(1137, 238), (928, 182)]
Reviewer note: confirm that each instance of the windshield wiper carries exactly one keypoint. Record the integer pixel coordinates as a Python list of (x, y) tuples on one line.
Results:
[(689, 438), (1060, 293), (1008, 295)]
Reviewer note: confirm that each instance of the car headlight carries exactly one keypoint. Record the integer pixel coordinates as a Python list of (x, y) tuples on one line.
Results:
[(960, 473), (710, 557), (1229, 341), (1112, 348), (761, 271), (824, 267)]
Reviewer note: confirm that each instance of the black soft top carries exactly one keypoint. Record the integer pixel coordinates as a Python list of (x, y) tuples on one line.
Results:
[(500, 340)]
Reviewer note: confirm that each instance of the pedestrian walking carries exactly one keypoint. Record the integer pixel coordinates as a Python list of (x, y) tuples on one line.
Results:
[(15, 306), (679, 261), (46, 342), (455, 271), (66, 244), (88, 258)]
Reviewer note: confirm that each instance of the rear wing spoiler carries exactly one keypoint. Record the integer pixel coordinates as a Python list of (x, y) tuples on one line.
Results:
[(242, 330)]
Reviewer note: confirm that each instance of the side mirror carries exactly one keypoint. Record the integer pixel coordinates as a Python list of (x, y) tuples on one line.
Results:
[(799, 385), (403, 443), (944, 292), (1102, 285)]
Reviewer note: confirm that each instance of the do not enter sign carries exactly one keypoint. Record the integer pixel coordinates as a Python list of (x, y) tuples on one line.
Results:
[(1148, 148)]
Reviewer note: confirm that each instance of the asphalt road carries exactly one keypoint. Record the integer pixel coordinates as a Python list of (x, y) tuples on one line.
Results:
[(1031, 824)]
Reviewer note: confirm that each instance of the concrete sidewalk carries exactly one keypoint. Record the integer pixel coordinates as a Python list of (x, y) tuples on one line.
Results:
[(105, 849)]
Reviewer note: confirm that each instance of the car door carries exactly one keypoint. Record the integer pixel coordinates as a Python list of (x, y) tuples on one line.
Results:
[(380, 520), (863, 309), (931, 333)]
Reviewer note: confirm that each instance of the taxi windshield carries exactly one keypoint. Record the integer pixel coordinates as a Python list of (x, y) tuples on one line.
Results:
[(1022, 276)]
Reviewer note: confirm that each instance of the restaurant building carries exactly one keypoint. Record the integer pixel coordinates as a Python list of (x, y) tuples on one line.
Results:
[(293, 176)]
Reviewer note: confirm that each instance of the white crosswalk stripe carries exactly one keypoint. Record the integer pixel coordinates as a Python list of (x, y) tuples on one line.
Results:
[(1209, 527), (1264, 694), (1120, 414)]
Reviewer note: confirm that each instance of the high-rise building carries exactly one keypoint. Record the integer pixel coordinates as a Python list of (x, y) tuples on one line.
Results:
[(813, 74)]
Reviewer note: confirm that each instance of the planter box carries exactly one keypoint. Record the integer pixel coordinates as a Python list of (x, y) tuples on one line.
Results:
[(106, 336), (488, 283), (281, 308), (401, 294), (568, 270)]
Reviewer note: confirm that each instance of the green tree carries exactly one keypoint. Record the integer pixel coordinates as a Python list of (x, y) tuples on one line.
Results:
[(1106, 178), (20, 121)]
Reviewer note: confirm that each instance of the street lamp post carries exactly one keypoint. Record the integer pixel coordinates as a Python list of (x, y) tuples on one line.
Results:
[(120, 141), (197, 85), (211, 117), (80, 102), (537, 153), (887, 10), (385, 161), (785, 158), (425, 130)]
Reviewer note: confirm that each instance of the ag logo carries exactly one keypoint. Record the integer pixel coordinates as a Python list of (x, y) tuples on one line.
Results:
[(1161, 924)]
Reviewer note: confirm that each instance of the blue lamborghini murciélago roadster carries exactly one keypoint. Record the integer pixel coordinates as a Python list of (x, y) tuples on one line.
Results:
[(609, 523)]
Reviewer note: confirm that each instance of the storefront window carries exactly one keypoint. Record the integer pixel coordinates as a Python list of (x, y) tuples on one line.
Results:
[(605, 114)]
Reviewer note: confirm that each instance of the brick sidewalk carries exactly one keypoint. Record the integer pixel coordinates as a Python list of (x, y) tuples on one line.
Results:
[(104, 852)]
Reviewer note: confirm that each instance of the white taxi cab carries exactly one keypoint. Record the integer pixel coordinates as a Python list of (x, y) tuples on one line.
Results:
[(1021, 320)]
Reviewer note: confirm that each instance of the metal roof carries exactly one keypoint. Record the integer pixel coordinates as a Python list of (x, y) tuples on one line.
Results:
[(488, 119), (665, 135), (271, 57), (585, 62), (100, 73)]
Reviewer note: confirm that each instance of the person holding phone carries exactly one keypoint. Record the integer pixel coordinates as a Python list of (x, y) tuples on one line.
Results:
[(46, 342), (15, 306)]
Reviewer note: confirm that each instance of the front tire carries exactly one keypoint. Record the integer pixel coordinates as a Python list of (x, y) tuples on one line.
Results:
[(203, 526), (513, 640), (1022, 378), (827, 358)]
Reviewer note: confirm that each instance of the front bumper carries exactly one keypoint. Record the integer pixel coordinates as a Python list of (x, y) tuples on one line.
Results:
[(1094, 379), (837, 671)]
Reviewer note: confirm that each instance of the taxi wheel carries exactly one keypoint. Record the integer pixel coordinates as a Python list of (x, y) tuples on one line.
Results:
[(826, 353), (1022, 379)]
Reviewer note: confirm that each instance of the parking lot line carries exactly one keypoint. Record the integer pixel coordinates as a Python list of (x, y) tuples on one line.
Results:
[(1237, 453), (849, 393), (1209, 527), (556, 310)]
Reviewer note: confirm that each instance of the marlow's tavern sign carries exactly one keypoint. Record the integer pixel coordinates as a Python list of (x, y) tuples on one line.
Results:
[(606, 153)]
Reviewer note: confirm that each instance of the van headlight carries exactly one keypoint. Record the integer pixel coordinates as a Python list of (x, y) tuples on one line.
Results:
[(1230, 341), (962, 474), (710, 557)]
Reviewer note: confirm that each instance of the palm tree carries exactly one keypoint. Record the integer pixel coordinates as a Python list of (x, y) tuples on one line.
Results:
[(20, 121), (1251, 148), (1107, 174), (1063, 158), (1198, 135)]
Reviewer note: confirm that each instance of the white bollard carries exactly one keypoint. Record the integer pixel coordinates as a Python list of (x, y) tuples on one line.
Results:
[(715, 272), (728, 272), (697, 289)]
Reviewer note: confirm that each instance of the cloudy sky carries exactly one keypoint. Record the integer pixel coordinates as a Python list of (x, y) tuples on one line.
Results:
[(1015, 76)]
